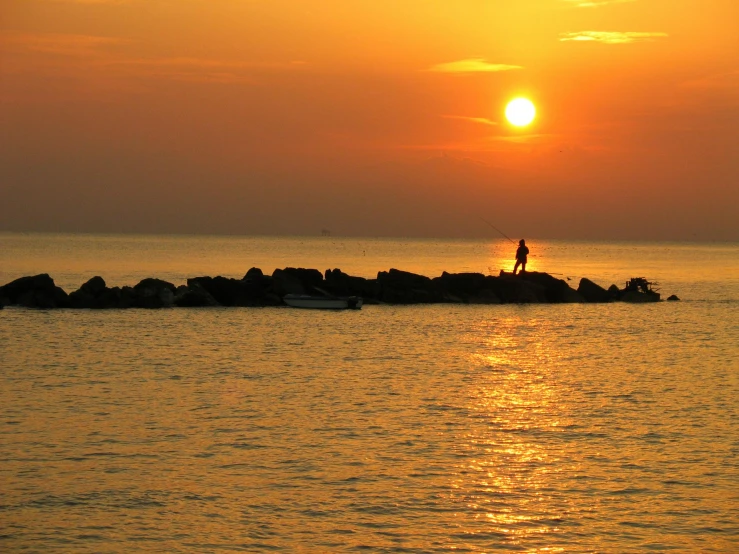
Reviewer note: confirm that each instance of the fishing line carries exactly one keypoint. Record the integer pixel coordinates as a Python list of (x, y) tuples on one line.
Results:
[(494, 227)]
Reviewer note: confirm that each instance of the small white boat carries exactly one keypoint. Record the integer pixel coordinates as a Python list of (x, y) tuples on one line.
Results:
[(323, 302)]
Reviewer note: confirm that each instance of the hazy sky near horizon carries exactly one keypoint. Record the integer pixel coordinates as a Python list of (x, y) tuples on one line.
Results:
[(371, 118)]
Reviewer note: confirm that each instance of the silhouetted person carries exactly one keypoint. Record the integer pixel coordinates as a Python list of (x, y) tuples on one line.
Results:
[(521, 254)]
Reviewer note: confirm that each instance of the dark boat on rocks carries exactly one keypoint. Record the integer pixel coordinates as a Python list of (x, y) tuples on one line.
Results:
[(638, 289)]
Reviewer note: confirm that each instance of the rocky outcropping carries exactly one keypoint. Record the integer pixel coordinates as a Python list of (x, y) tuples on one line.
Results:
[(149, 293), (340, 284), (94, 294), (296, 280), (593, 292), (256, 289), (401, 287), (469, 288), (38, 291), (249, 291)]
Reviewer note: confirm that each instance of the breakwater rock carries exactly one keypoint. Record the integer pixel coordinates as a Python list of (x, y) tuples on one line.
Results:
[(256, 289)]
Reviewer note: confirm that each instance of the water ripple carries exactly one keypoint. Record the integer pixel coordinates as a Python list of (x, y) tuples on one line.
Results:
[(505, 428)]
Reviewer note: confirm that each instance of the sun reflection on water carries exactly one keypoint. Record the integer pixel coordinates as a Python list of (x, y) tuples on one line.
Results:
[(507, 479)]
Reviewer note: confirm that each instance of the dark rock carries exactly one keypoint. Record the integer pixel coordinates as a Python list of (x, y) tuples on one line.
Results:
[(556, 291), (79, 299), (154, 284), (403, 279), (339, 283), (38, 291), (403, 287), (95, 295), (256, 289), (152, 299), (153, 294), (514, 289), (110, 298), (485, 296), (254, 274), (15, 289), (127, 297), (106, 299), (225, 291), (309, 277), (260, 286), (94, 286), (45, 299), (463, 284), (296, 280), (271, 299), (194, 297), (284, 283), (593, 292), (471, 288), (235, 292), (673, 298)]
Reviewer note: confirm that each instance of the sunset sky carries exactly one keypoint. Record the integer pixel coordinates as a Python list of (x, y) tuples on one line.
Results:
[(371, 118)]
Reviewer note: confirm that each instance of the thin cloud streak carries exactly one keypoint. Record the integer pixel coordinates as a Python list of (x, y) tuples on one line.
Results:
[(91, 1), (201, 70), (481, 120), (86, 52), (728, 80), (611, 37), (58, 44), (472, 65), (523, 139), (595, 3)]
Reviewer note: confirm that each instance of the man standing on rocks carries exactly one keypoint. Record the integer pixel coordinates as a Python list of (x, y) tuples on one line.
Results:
[(521, 254)]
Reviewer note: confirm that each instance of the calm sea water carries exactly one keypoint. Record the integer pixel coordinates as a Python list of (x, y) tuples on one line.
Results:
[(572, 428)]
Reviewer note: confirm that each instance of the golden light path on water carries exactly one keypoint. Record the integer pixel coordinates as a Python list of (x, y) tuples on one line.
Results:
[(432, 428), (537, 428), (506, 463), (532, 469)]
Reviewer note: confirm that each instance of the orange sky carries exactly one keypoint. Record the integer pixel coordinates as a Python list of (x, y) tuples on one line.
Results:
[(371, 118)]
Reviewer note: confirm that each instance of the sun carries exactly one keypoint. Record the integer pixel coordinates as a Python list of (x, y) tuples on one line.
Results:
[(520, 112)]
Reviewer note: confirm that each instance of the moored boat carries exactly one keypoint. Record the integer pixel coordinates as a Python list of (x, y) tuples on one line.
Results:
[(638, 289)]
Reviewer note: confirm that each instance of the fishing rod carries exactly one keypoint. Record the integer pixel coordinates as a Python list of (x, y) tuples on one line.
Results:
[(494, 227)]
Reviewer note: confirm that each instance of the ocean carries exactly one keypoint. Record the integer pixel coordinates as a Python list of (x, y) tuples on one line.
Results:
[(439, 428)]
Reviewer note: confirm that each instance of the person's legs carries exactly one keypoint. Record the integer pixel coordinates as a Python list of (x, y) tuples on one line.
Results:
[(515, 267), (523, 267)]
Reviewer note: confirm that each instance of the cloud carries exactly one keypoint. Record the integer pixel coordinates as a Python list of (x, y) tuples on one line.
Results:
[(90, 1), (595, 3), (472, 65), (728, 80), (539, 138), (91, 55), (57, 44), (200, 69), (482, 120), (610, 37)]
